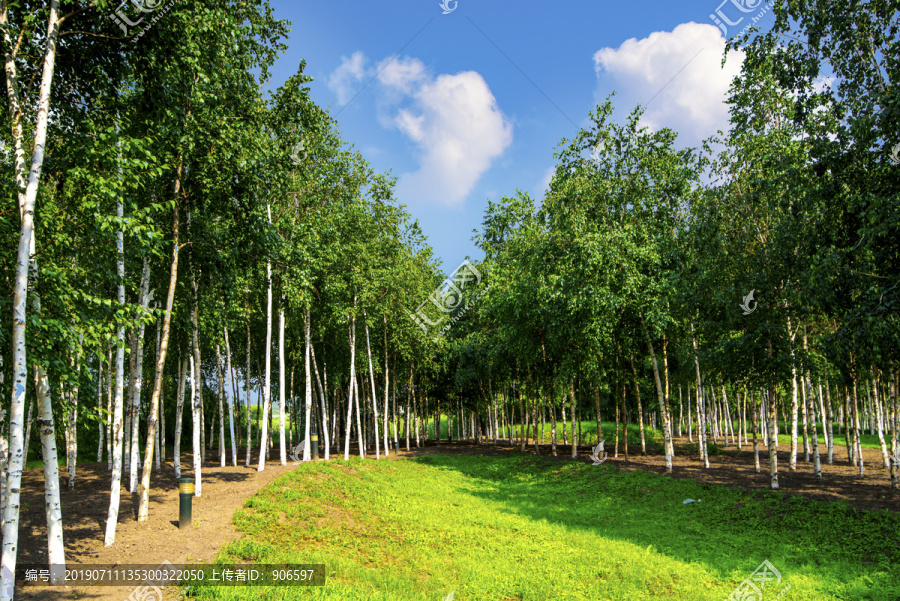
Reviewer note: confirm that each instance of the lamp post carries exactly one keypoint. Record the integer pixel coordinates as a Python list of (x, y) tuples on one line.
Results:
[(185, 495), (315, 442)]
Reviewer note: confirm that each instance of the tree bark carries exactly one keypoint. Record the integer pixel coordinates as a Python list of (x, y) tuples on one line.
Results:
[(663, 400), (281, 390), (308, 388), (351, 335), (137, 378), (374, 395), (118, 410), (179, 410), (196, 384), (233, 400), (267, 397), (325, 429), (220, 369)]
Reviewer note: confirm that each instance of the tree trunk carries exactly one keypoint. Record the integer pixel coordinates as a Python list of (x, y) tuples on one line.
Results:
[(282, 397), (408, 403), (856, 429), (663, 399), (325, 430), (624, 420), (137, 378), (572, 399), (773, 437), (100, 422), (247, 386), (895, 426), (220, 368), (755, 417), (55, 548), (351, 335), (701, 425), (196, 384), (179, 411), (12, 453), (71, 426), (387, 445), (374, 394), (879, 423), (308, 388), (552, 416), (232, 401), (640, 409), (267, 393), (118, 403)]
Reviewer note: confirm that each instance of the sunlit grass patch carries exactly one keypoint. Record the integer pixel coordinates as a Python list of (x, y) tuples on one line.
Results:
[(530, 528)]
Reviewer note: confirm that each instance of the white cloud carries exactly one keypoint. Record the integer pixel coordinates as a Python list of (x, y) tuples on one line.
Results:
[(402, 73), (460, 131), (344, 80), (454, 121), (689, 94)]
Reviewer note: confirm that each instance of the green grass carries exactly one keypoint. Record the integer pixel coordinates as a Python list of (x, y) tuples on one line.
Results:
[(528, 528)]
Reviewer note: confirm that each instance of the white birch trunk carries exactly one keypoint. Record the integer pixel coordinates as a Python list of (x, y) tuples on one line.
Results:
[(792, 466), (55, 548), (12, 452), (247, 386), (137, 377), (110, 395), (195, 395), (232, 400), (28, 431), (879, 422), (308, 387), (326, 431), (221, 369), (663, 403), (179, 410), (101, 422), (71, 427), (375, 395), (267, 399), (387, 445), (351, 333), (156, 396), (118, 402), (701, 426), (282, 397)]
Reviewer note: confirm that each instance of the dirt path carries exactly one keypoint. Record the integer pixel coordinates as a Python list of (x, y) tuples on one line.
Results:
[(85, 510), (226, 489)]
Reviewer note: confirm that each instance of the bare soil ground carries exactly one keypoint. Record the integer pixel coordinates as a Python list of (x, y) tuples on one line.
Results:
[(224, 490)]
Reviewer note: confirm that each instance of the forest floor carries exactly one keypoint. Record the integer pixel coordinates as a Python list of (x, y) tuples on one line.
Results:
[(225, 490)]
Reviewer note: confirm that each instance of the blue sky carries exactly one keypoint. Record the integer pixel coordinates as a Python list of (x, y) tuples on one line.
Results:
[(469, 106)]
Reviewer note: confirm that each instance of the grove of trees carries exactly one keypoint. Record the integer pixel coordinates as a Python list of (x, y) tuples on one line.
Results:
[(194, 252)]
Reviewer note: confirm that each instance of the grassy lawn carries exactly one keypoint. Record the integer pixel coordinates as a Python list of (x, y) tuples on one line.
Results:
[(527, 528)]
